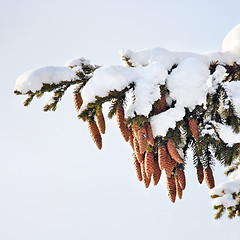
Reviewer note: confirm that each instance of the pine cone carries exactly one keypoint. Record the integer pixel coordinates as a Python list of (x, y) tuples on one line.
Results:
[(160, 105), (200, 173), (135, 128), (162, 156), (194, 128), (156, 173), (144, 176), (137, 151), (181, 178), (171, 146), (121, 124), (209, 177), (149, 161), (142, 139), (131, 138), (100, 121), (138, 169), (95, 134), (149, 133), (170, 165), (171, 188), (178, 188), (78, 101)]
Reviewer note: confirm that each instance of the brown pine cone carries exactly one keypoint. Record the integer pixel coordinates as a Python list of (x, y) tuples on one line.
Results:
[(149, 133), (194, 128), (181, 178), (78, 101), (209, 179), (142, 139), (171, 188), (95, 134), (131, 138), (137, 151), (144, 176), (171, 146), (149, 161), (121, 124), (178, 188), (162, 156), (200, 173), (100, 121), (156, 173), (135, 128), (160, 105), (170, 165), (138, 169)]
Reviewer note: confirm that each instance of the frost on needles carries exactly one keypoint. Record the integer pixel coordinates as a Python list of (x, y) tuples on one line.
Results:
[(165, 103)]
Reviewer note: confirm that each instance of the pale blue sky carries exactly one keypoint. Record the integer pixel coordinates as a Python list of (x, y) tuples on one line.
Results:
[(54, 183)]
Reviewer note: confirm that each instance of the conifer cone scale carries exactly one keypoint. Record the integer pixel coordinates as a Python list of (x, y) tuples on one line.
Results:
[(100, 122), (146, 180), (181, 178), (149, 161), (171, 188), (142, 139), (137, 151), (95, 134), (193, 128), (171, 146), (178, 188), (170, 165), (121, 124), (156, 173), (150, 138), (209, 177), (200, 173), (138, 169), (78, 101), (162, 156)]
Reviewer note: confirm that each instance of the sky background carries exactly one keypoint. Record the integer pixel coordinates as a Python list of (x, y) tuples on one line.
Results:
[(54, 182)]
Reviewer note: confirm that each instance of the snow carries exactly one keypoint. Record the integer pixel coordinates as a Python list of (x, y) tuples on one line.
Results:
[(77, 62), (231, 42), (187, 83), (233, 90), (226, 134), (162, 122), (226, 189), (34, 79)]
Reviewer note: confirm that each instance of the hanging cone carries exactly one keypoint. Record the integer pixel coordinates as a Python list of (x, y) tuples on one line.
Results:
[(170, 165), (135, 128), (142, 139), (100, 121), (95, 134), (171, 188), (200, 173), (121, 124), (131, 137), (156, 173), (162, 156), (149, 161), (160, 105), (149, 133), (178, 188), (138, 169), (78, 101), (144, 176), (137, 151), (181, 178), (171, 146), (194, 128), (209, 179)]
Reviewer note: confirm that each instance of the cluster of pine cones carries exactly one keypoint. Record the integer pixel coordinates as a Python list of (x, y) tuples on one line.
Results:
[(149, 160)]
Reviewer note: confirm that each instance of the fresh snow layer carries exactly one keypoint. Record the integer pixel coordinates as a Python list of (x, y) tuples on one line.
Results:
[(226, 189), (77, 62), (231, 42), (162, 122), (34, 79)]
